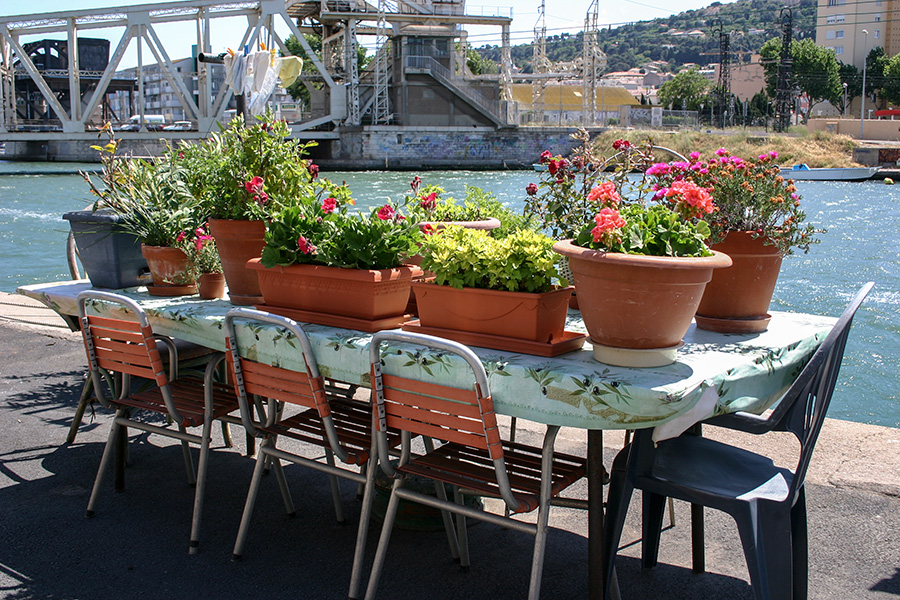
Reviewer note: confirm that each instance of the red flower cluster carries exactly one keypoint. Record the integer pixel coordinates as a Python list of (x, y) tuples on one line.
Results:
[(620, 145), (428, 202), (608, 226), (313, 170), (386, 212), (304, 246), (531, 189), (255, 187), (329, 205)]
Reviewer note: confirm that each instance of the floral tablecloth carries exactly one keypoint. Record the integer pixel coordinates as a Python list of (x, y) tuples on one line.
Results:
[(748, 371)]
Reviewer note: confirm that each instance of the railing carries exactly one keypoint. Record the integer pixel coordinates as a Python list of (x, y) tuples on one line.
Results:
[(441, 73)]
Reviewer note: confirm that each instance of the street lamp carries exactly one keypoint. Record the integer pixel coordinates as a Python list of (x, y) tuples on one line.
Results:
[(845, 98), (862, 102)]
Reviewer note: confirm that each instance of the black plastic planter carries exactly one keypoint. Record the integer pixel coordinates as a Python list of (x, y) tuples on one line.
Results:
[(111, 257)]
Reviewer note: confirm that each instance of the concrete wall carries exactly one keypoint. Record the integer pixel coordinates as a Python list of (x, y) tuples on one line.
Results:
[(446, 147), (77, 150), (874, 129)]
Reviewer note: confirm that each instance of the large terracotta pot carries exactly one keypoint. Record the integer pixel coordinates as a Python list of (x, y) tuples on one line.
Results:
[(237, 242), (356, 293), (737, 298), (536, 317), (169, 271), (634, 301)]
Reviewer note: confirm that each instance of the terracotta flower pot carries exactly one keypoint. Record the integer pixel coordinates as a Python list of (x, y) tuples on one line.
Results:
[(356, 293), (237, 242), (536, 317), (638, 302), (212, 286), (737, 298), (168, 269)]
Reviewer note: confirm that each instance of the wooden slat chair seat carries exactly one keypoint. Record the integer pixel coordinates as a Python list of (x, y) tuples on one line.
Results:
[(463, 448), (129, 349), (341, 427)]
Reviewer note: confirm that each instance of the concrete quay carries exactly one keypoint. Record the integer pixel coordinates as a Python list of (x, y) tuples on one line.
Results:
[(136, 545)]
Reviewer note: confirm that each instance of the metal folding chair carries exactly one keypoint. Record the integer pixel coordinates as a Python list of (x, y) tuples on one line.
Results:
[(121, 348), (338, 425), (767, 502), (463, 449)]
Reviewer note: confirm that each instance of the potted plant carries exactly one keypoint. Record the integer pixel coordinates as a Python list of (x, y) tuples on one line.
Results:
[(154, 204), (243, 175), (758, 221), (432, 210), (204, 262), (640, 267), (496, 293), (111, 256), (327, 266)]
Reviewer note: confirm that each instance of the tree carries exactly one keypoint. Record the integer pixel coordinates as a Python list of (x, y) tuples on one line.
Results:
[(816, 72), (853, 78), (891, 89), (687, 89)]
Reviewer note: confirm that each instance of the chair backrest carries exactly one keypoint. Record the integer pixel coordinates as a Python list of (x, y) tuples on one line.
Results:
[(452, 414), (252, 377), (802, 409), (121, 345)]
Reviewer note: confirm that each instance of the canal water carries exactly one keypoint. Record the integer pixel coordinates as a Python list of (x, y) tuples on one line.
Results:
[(861, 245)]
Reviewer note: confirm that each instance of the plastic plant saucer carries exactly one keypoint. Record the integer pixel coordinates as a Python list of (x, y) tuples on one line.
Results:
[(171, 290), (308, 316), (635, 357), (751, 325)]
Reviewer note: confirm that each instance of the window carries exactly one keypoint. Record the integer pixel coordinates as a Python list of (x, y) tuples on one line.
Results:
[(838, 50), (832, 2), (830, 19), (839, 33), (877, 33), (877, 18), (839, 18), (829, 35)]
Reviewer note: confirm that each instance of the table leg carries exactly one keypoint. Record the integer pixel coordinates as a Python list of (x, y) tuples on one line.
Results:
[(596, 575)]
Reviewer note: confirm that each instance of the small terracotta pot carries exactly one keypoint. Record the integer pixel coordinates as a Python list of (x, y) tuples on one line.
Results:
[(237, 242), (212, 286), (636, 301), (168, 269), (357, 293), (743, 291), (521, 315)]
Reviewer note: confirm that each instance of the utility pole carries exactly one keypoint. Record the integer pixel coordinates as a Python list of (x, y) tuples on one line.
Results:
[(723, 90), (785, 74)]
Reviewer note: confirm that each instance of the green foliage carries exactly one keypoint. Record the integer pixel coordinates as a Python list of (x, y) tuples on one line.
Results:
[(816, 71), (688, 89), (891, 89), (306, 233), (654, 230), (523, 261)]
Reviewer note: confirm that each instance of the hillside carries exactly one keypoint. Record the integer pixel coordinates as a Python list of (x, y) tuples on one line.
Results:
[(750, 22)]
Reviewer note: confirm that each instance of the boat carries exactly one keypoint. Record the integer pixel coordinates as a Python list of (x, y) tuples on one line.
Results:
[(803, 172)]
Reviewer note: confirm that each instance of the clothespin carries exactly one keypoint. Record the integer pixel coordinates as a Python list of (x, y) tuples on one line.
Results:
[(262, 46), (230, 51)]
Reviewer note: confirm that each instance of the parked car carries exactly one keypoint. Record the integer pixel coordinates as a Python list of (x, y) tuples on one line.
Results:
[(151, 122), (179, 126)]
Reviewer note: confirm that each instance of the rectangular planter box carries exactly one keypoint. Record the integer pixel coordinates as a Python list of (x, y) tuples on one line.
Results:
[(111, 257), (536, 317)]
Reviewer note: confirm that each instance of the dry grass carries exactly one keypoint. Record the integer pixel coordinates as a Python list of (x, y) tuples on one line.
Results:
[(815, 149)]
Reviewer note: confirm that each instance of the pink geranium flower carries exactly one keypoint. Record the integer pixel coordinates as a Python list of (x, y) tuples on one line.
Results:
[(386, 212), (304, 246), (329, 205), (428, 202), (608, 223), (605, 192), (255, 185)]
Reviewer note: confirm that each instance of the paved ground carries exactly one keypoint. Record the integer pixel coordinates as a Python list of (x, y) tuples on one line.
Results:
[(136, 545)]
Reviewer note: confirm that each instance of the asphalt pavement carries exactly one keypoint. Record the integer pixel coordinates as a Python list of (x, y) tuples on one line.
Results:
[(137, 544)]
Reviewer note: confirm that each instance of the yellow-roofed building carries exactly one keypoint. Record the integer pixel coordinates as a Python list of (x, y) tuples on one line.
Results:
[(563, 104)]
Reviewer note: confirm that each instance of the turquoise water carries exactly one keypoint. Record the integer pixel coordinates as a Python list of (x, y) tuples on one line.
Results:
[(861, 245)]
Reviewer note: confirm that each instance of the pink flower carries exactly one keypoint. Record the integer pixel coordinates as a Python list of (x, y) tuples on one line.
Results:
[(386, 212), (313, 170), (180, 237), (428, 229), (773, 155), (329, 205), (658, 169), (428, 202), (255, 185), (608, 222), (694, 156), (531, 189), (621, 145), (688, 193), (261, 198), (721, 152), (304, 246), (546, 155), (605, 192), (553, 166), (414, 185)]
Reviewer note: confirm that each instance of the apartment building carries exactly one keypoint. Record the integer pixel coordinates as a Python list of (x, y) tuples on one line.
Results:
[(853, 27)]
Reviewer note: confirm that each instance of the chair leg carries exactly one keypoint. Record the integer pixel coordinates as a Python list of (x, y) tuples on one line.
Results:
[(226, 434), (282, 485), (800, 547), (618, 499), (86, 392), (248, 506), (540, 545), (363, 530), (654, 506), (202, 468), (447, 518), (335, 489), (765, 529), (108, 451), (188, 461), (462, 534), (383, 540), (698, 543)]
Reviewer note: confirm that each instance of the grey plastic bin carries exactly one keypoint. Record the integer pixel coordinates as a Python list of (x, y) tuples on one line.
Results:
[(111, 257)]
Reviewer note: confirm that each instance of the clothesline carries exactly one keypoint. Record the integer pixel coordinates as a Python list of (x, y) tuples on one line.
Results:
[(255, 74)]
